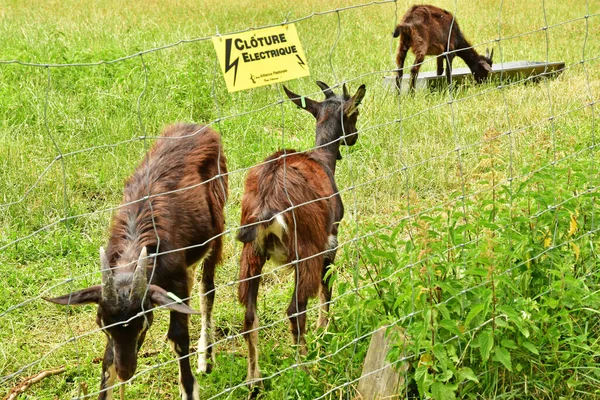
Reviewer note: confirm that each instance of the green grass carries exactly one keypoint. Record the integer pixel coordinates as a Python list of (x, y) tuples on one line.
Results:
[(90, 107)]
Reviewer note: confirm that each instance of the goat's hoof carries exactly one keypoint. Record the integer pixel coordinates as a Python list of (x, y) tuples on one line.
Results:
[(255, 386), (204, 367), (254, 392), (206, 361), (323, 324), (204, 371), (195, 395)]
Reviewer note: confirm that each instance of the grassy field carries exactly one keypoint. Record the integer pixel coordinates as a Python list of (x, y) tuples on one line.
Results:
[(405, 159)]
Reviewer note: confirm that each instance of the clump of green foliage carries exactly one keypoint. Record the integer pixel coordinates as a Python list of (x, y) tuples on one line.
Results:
[(495, 293)]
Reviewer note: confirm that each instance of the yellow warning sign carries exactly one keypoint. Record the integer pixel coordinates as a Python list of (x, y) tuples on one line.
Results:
[(261, 57)]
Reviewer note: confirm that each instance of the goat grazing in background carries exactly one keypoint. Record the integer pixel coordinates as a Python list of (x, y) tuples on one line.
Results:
[(306, 237), (426, 30), (170, 218)]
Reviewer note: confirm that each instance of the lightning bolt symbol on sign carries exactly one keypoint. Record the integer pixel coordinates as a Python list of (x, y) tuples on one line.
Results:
[(228, 63), (300, 61)]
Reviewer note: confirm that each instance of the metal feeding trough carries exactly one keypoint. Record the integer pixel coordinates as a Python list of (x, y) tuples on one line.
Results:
[(510, 71)]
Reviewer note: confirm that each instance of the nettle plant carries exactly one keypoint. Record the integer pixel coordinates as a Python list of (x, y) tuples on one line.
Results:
[(495, 292)]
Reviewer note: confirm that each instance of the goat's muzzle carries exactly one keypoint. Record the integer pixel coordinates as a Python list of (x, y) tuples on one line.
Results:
[(125, 365)]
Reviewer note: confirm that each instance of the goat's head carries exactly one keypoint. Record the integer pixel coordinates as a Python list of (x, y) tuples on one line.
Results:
[(336, 115), (484, 66), (125, 301)]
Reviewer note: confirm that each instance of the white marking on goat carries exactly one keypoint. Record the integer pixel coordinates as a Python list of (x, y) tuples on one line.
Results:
[(144, 328), (281, 223), (279, 255), (278, 227), (333, 242), (206, 331), (175, 348), (254, 374), (110, 376), (195, 393), (202, 364)]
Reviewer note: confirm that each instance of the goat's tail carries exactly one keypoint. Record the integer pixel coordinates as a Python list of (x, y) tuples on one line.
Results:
[(247, 232), (272, 221), (403, 29)]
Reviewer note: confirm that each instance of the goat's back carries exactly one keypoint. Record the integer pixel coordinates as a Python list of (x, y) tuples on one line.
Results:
[(426, 25), (298, 179), (180, 177)]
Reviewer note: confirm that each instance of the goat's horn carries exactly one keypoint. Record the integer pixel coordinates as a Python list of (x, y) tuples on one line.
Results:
[(140, 282), (109, 292), (326, 89), (346, 94)]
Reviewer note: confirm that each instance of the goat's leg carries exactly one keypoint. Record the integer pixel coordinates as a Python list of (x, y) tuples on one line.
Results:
[(400, 57), (440, 65), (309, 274), (297, 314), (207, 298), (109, 373), (325, 292), (449, 59), (325, 298), (251, 265), (180, 341), (414, 71)]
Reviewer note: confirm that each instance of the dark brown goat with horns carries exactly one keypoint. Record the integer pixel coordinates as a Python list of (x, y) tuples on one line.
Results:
[(291, 209), (171, 217), (432, 31)]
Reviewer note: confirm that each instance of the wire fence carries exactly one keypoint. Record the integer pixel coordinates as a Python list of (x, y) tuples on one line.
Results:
[(417, 237)]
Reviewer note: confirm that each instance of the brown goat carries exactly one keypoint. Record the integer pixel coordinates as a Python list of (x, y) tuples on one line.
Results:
[(305, 237), (172, 206), (426, 30)]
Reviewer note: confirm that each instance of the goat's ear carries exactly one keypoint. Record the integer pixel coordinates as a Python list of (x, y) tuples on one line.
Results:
[(160, 297), (93, 294), (487, 67), (353, 103), (489, 54), (303, 102)]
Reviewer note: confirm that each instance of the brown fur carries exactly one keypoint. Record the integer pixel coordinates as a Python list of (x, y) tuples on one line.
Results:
[(183, 218), (429, 30), (172, 206), (298, 189), (305, 180)]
